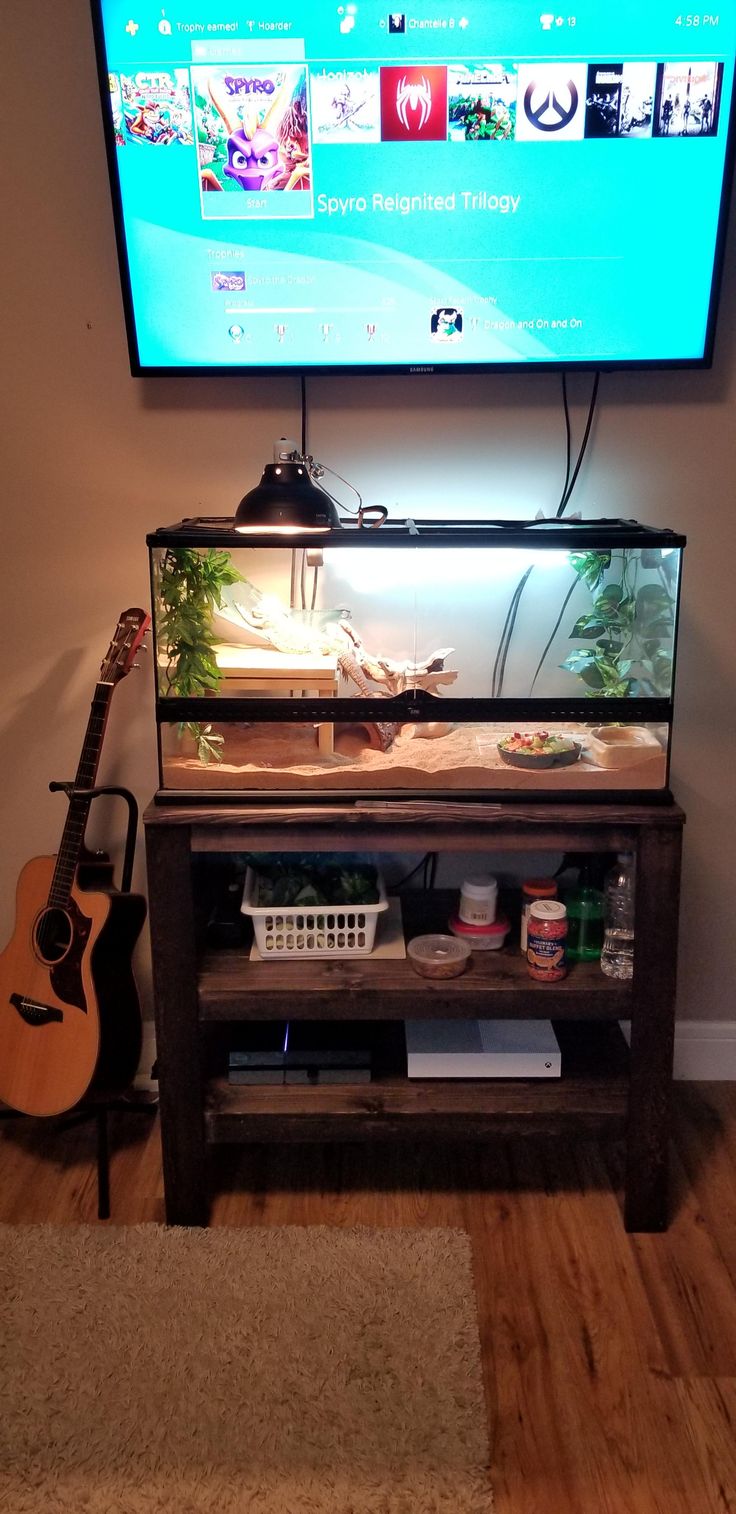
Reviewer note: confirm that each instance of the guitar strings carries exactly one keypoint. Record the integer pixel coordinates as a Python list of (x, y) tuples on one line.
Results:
[(67, 858), (75, 825)]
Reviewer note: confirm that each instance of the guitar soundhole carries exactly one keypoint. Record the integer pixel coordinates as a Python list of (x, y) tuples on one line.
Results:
[(53, 935)]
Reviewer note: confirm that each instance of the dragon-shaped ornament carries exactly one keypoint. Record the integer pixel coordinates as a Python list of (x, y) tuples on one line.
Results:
[(265, 621)]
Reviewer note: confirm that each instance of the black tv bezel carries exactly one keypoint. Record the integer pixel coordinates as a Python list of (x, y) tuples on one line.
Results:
[(364, 370)]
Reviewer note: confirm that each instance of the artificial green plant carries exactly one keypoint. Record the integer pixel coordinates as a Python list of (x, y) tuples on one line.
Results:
[(189, 588), (631, 624)]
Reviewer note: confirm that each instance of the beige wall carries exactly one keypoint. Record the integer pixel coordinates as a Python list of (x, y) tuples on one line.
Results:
[(94, 459)]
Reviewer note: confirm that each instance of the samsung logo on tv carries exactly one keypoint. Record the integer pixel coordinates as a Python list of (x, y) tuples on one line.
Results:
[(428, 369)]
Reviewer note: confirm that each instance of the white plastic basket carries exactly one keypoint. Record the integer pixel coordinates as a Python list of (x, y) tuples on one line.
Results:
[(319, 930)]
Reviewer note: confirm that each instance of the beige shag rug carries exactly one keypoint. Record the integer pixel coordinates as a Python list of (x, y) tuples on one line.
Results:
[(147, 1370)]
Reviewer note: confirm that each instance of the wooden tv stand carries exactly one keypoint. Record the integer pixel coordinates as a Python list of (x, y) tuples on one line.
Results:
[(603, 1088)]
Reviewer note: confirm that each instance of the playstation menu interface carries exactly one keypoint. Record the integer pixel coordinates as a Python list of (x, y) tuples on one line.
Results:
[(339, 184)]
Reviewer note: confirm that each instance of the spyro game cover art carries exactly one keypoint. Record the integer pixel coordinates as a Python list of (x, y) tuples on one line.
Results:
[(152, 107), (252, 124)]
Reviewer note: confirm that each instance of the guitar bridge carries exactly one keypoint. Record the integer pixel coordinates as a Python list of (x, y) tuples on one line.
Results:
[(34, 1013)]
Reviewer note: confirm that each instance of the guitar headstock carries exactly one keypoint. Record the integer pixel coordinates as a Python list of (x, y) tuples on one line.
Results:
[(129, 633)]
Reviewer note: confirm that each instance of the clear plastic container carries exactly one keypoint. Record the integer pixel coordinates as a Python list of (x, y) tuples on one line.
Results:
[(617, 956), (482, 938), (438, 956)]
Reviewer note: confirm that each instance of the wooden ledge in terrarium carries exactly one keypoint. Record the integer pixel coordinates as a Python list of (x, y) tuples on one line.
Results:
[(621, 746), (264, 665), (262, 670)]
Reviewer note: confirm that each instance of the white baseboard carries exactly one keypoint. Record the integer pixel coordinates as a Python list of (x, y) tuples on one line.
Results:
[(705, 1051)]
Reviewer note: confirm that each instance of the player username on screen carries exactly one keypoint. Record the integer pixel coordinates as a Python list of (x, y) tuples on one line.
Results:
[(535, 323), (404, 205)]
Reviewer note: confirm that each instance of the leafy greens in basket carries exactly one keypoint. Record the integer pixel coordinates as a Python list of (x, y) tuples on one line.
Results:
[(295, 883)]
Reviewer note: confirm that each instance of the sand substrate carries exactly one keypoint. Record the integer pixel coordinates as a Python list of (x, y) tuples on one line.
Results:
[(286, 757)]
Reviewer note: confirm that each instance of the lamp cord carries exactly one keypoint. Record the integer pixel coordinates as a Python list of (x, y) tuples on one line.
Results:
[(318, 470)]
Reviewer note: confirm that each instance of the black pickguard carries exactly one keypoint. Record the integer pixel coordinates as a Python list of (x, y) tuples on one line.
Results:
[(66, 976)]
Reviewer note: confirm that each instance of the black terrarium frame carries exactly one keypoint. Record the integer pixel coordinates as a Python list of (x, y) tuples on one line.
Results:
[(417, 705)]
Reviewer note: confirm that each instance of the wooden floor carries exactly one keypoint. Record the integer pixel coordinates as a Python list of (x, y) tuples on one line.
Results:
[(609, 1360)]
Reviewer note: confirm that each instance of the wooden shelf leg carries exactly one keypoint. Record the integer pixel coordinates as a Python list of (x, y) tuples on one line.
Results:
[(179, 1055), (652, 1028)]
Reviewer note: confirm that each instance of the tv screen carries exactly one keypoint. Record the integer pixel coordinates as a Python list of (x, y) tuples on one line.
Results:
[(336, 186)]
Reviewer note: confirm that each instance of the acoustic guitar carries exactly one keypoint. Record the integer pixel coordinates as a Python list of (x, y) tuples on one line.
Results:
[(69, 1011)]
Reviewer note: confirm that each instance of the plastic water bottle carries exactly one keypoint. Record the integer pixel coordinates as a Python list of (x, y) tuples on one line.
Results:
[(617, 956)]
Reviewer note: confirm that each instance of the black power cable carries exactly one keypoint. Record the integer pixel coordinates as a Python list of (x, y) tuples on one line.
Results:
[(558, 623), (499, 667), (303, 397), (567, 493), (568, 439), (427, 865), (317, 471)]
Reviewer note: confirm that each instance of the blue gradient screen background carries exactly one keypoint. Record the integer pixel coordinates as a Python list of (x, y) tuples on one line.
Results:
[(542, 237)]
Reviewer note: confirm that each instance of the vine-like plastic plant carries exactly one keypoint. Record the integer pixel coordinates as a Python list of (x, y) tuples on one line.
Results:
[(631, 624), (189, 586)]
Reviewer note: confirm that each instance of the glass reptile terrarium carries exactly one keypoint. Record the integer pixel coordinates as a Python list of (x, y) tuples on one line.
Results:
[(464, 659)]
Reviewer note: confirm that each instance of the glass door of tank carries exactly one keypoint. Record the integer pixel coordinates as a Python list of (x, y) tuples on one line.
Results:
[(549, 623), (352, 610)]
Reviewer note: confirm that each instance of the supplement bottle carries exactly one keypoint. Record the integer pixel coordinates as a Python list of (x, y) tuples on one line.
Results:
[(531, 889), (546, 941), (478, 900)]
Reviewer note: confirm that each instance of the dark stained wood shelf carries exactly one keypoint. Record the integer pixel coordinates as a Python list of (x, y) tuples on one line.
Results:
[(198, 993), (353, 988), (395, 825), (419, 1109), (495, 985), (591, 1095)]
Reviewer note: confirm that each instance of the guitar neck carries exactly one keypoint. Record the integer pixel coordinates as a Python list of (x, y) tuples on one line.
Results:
[(76, 820)]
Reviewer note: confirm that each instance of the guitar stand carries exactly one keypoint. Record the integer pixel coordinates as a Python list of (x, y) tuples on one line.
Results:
[(132, 827), (98, 1104)]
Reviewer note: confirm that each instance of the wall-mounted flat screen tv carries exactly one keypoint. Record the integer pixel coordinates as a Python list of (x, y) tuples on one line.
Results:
[(331, 186)]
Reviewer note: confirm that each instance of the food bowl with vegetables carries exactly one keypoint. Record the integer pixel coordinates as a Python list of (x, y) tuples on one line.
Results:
[(538, 749)]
